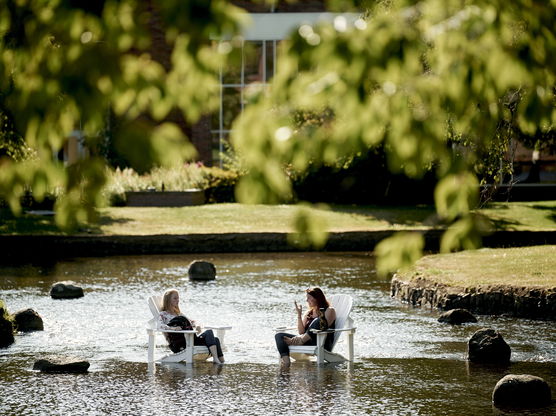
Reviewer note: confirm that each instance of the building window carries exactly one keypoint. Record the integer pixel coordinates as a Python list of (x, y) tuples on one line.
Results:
[(251, 65)]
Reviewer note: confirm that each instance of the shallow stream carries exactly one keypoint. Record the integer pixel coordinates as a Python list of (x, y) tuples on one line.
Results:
[(406, 363)]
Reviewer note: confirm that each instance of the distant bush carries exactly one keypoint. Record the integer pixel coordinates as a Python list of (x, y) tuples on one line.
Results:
[(365, 179), (220, 185), (217, 183)]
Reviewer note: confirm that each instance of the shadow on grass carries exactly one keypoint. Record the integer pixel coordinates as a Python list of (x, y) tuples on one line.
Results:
[(27, 224), (45, 224), (497, 206), (546, 209), (551, 215), (401, 215), (501, 224), (107, 220)]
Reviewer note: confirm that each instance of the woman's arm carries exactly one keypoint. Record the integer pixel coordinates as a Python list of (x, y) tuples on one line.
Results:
[(302, 322), (301, 319), (330, 315), (165, 317)]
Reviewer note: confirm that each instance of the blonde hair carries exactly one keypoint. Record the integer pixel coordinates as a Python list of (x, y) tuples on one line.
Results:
[(166, 306)]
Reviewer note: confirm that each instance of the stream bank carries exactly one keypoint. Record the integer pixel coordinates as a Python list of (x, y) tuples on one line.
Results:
[(522, 302)]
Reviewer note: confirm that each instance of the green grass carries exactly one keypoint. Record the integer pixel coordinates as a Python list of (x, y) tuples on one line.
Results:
[(536, 215), (521, 267), (225, 218)]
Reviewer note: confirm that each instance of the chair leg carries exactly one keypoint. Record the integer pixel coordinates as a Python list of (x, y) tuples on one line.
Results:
[(320, 348), (190, 347), (220, 334), (350, 336), (150, 353)]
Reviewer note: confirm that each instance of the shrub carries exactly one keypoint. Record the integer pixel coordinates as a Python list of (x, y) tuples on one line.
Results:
[(218, 183), (365, 179)]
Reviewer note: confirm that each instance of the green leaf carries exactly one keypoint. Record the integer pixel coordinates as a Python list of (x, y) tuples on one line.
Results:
[(398, 252), (311, 230), (456, 194)]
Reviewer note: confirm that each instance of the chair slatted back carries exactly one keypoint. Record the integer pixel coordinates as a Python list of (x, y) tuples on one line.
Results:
[(342, 304), (155, 305)]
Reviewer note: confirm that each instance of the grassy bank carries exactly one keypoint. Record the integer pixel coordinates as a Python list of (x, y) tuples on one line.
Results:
[(223, 218), (237, 218), (230, 218), (535, 215), (524, 266)]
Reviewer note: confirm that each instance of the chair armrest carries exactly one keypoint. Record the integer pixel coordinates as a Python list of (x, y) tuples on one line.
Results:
[(223, 328), (283, 328), (330, 331), (189, 331)]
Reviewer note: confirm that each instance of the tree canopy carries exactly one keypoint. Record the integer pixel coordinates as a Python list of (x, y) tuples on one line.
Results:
[(411, 76), (414, 77), (65, 65)]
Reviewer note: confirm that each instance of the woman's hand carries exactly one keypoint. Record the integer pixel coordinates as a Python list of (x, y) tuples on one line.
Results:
[(298, 309)]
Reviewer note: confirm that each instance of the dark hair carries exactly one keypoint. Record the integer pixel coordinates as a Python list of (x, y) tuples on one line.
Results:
[(317, 293)]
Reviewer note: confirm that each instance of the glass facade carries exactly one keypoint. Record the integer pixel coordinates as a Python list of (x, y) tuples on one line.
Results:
[(253, 64)]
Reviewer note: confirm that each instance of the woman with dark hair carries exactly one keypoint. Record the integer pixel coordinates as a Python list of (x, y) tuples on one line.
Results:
[(172, 318), (320, 315)]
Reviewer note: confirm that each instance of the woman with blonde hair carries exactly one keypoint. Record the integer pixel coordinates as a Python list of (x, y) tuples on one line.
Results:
[(320, 315), (172, 318)]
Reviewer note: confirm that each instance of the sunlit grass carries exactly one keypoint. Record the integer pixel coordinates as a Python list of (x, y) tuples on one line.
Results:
[(534, 215), (238, 218), (225, 218), (522, 266)]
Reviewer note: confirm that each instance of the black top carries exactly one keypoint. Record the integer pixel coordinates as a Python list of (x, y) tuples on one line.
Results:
[(321, 324)]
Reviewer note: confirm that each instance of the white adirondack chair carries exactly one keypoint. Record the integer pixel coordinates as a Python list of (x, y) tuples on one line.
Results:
[(342, 304), (191, 352)]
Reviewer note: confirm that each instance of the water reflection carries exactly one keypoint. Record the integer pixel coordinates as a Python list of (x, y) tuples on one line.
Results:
[(406, 362)]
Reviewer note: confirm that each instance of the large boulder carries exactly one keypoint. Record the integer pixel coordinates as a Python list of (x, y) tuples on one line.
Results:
[(66, 290), (521, 391), (201, 270), (488, 347), (457, 316), (28, 320), (61, 366), (6, 328)]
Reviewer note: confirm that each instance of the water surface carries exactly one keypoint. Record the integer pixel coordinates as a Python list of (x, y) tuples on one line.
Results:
[(406, 363)]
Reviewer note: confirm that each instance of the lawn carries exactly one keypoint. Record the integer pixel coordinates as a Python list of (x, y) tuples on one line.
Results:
[(229, 218), (522, 266), (535, 215), (237, 218)]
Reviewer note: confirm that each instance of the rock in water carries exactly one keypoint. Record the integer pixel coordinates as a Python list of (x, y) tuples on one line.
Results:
[(6, 328), (66, 290), (457, 316), (28, 320), (61, 366), (488, 347), (201, 270), (521, 391)]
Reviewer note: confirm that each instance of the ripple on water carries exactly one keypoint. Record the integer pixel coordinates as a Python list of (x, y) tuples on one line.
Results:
[(406, 362)]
